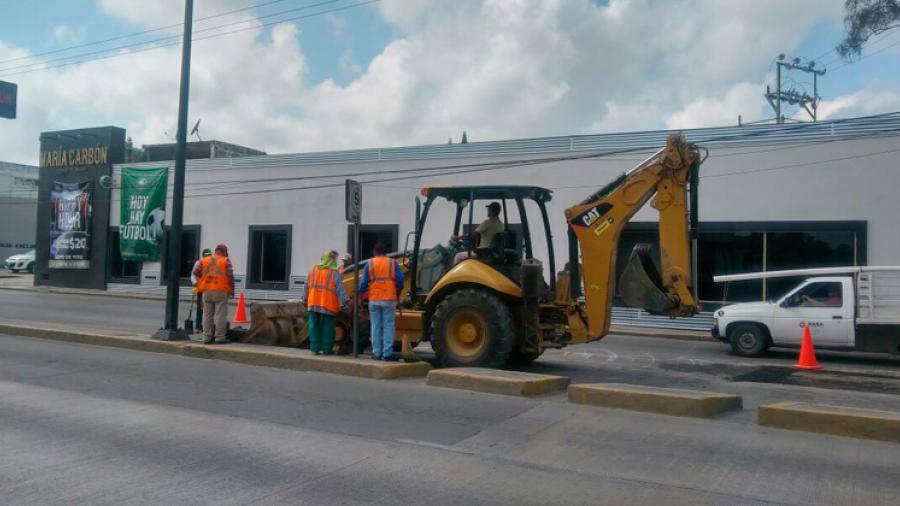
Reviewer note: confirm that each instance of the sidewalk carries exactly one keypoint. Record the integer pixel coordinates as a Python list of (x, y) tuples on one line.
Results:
[(267, 356)]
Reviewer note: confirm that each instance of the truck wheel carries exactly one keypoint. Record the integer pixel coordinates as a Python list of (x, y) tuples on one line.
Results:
[(748, 340), (472, 328)]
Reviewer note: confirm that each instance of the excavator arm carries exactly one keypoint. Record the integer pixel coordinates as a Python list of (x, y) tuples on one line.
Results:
[(597, 224)]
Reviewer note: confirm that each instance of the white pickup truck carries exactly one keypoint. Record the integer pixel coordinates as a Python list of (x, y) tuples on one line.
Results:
[(846, 308)]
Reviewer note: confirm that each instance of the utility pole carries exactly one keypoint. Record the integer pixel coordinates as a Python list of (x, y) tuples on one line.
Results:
[(792, 96), (171, 332)]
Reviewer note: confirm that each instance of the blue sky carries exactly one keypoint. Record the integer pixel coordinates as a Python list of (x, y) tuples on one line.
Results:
[(361, 32), (402, 72)]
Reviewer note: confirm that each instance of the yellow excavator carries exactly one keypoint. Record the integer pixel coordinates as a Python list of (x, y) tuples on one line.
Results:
[(492, 305)]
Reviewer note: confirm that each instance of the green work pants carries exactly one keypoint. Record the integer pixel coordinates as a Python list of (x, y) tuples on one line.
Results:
[(321, 333)]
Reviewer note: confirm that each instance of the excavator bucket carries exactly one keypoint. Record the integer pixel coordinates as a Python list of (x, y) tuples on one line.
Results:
[(277, 324), (640, 284)]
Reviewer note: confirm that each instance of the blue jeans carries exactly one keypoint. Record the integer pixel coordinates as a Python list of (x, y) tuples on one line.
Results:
[(381, 314)]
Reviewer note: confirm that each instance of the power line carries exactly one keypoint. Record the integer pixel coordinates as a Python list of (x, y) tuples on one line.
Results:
[(136, 34), (866, 56), (178, 41)]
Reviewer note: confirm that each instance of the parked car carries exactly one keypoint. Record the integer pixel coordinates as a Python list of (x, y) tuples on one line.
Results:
[(21, 262), (850, 309)]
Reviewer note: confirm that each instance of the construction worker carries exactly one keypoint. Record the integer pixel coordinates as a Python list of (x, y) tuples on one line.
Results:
[(382, 279), (216, 281), (324, 296), (484, 233), (198, 318), (346, 261)]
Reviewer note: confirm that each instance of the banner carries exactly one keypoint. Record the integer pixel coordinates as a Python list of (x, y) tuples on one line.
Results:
[(142, 213), (70, 226)]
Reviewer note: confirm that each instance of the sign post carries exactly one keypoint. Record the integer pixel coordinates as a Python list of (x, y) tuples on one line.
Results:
[(353, 198)]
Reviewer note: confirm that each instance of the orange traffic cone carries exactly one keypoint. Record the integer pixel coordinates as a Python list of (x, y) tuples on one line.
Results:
[(240, 316), (807, 358)]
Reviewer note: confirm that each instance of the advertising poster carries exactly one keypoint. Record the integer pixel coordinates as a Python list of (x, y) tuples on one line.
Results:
[(70, 226), (142, 213)]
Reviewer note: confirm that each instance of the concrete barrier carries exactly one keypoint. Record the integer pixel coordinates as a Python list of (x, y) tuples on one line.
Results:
[(279, 358), (668, 401), (494, 381), (836, 420)]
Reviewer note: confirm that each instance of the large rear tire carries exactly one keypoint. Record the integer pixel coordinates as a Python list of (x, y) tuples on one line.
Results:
[(472, 328)]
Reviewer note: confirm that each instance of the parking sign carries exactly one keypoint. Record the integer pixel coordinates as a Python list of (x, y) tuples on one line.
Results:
[(353, 196)]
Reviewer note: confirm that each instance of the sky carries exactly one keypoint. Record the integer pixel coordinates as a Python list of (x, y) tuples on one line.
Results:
[(411, 72)]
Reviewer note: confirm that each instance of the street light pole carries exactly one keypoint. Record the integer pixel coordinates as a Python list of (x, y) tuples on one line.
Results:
[(171, 332)]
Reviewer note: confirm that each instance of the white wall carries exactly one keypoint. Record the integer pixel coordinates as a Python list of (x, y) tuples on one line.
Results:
[(764, 182)]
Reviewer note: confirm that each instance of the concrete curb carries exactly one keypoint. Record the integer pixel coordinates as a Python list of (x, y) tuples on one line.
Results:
[(835, 420), (280, 358), (667, 401), (494, 381)]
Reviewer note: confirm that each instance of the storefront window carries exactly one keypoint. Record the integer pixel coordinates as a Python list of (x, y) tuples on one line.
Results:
[(121, 271), (269, 258), (371, 234), (729, 253), (805, 249), (190, 252)]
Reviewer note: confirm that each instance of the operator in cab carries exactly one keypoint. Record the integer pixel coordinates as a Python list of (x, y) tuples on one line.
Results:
[(484, 233)]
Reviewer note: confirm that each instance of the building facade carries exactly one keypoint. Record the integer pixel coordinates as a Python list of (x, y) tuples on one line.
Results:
[(771, 197), (18, 205)]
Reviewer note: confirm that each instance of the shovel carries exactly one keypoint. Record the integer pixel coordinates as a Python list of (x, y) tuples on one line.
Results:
[(189, 322)]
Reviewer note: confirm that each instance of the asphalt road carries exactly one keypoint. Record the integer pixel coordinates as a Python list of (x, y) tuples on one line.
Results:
[(865, 380), (83, 424)]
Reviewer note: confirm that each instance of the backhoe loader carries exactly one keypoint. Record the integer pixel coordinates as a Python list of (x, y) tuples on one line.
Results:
[(496, 304)]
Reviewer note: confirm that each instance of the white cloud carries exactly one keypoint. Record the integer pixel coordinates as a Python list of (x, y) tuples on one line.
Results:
[(868, 101), (495, 68), (741, 99)]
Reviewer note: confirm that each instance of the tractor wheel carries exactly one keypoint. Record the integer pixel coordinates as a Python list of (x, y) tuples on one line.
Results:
[(472, 328)]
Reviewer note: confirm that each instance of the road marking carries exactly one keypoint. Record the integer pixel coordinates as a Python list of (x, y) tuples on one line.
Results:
[(438, 446)]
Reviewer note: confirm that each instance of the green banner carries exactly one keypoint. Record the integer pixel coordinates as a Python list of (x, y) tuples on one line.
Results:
[(143, 213)]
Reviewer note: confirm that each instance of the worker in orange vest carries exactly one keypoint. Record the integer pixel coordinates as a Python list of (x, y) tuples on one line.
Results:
[(382, 278), (323, 298), (215, 279)]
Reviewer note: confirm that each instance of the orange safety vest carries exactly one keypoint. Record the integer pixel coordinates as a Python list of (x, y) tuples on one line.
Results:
[(382, 279), (321, 290), (214, 277)]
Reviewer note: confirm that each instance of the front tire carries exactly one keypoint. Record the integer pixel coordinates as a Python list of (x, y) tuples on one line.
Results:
[(30, 268), (748, 340), (472, 328)]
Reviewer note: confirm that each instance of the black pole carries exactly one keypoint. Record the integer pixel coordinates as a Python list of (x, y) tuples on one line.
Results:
[(356, 297), (171, 331)]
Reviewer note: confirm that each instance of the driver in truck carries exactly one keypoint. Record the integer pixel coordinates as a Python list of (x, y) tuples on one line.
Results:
[(833, 299), (485, 232)]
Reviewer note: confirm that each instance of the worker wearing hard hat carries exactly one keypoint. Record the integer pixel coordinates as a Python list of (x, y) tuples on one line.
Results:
[(382, 278), (323, 298), (198, 319)]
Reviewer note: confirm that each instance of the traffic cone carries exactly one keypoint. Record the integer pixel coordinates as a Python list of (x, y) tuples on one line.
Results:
[(807, 358), (240, 316)]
